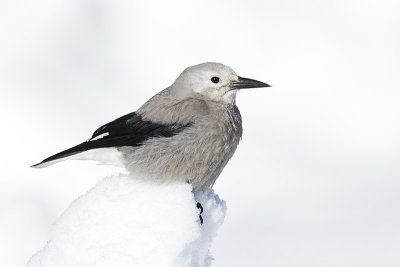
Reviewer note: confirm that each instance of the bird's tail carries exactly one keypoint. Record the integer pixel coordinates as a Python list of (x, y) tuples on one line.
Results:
[(103, 156), (63, 155), (98, 150), (48, 163)]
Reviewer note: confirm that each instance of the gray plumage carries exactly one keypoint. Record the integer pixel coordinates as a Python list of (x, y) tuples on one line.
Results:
[(187, 132)]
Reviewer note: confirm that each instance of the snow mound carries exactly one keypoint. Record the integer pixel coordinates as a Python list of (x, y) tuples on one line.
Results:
[(125, 222)]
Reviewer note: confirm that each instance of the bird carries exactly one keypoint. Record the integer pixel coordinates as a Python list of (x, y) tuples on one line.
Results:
[(185, 133)]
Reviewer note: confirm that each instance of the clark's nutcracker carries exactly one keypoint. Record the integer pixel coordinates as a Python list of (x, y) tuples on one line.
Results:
[(187, 132)]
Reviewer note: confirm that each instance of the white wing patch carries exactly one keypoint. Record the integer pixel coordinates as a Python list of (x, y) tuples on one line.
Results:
[(98, 137)]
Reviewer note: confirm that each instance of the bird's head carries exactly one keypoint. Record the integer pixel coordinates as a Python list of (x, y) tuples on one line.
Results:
[(213, 81)]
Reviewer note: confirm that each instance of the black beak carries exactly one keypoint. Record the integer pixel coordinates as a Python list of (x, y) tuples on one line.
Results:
[(243, 83)]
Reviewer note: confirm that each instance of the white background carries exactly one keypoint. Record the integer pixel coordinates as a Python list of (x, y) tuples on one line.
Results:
[(316, 178)]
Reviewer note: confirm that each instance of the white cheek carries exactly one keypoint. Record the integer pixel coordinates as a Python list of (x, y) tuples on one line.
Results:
[(198, 90), (201, 87)]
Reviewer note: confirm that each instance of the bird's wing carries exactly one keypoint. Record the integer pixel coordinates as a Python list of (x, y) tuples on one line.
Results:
[(128, 130)]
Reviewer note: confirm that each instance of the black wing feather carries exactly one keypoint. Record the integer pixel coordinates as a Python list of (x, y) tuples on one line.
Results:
[(128, 130)]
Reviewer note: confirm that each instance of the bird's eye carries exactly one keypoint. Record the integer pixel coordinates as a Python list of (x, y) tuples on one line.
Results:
[(215, 79)]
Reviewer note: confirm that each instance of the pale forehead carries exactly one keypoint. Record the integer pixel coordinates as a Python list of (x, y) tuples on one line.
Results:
[(211, 68)]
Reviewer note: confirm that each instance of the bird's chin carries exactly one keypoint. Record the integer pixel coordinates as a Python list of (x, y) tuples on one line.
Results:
[(230, 96)]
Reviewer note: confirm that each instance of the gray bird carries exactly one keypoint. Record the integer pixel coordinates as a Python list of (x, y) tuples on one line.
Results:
[(187, 132)]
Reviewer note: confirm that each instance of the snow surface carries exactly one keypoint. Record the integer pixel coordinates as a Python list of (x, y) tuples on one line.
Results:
[(125, 222)]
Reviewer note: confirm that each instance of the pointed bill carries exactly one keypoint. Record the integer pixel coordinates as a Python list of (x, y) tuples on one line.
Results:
[(243, 83)]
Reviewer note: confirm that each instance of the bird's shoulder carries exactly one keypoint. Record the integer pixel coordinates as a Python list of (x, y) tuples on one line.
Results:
[(164, 108)]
